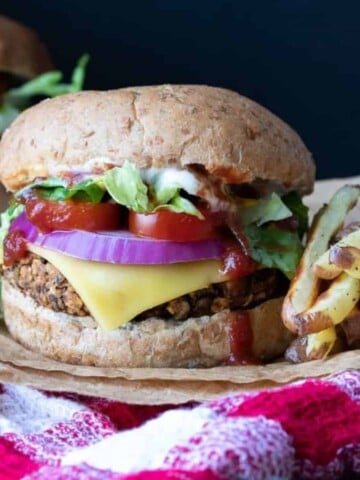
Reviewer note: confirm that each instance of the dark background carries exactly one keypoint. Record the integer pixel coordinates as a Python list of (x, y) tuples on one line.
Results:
[(300, 58)]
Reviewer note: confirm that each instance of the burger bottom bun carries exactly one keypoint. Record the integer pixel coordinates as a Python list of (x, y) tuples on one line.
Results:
[(196, 342)]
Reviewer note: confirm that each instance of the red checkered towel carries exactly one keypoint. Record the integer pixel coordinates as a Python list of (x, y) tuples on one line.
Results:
[(307, 430)]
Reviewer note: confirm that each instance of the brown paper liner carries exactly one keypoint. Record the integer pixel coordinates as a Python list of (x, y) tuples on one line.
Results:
[(152, 386)]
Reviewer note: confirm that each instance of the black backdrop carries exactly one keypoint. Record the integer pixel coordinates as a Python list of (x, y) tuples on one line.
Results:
[(300, 58)]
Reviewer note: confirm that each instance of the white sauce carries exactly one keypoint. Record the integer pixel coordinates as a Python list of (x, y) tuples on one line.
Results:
[(171, 176)]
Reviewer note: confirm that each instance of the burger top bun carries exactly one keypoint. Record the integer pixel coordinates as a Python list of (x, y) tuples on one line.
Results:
[(231, 136), (21, 52)]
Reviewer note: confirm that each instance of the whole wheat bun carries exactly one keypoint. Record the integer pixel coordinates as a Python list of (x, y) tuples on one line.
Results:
[(231, 136), (21, 52), (196, 342)]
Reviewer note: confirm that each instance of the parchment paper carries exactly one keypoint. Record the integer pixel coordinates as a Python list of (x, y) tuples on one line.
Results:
[(160, 386)]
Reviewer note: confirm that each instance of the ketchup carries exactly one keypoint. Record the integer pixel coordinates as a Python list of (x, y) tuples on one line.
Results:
[(290, 224), (235, 261), (241, 339), (14, 247)]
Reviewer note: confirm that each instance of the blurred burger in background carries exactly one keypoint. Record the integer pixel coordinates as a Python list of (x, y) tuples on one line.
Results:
[(22, 57)]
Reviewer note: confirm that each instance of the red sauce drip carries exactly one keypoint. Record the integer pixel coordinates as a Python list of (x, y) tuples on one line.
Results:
[(291, 224), (236, 262), (241, 339), (14, 247)]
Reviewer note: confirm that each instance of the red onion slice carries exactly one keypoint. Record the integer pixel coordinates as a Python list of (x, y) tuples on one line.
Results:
[(119, 247)]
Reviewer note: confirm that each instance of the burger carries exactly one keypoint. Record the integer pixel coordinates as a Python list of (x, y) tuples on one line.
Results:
[(22, 55), (25, 74), (151, 227)]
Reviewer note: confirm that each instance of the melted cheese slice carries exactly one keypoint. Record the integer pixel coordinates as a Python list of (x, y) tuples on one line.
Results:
[(115, 294)]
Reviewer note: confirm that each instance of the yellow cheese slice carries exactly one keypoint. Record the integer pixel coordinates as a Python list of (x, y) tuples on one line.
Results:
[(115, 294)]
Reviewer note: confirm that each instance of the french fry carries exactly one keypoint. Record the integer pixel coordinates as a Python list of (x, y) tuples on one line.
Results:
[(296, 351), (320, 344), (305, 286), (324, 269), (331, 307), (343, 256), (312, 347), (349, 256), (351, 240)]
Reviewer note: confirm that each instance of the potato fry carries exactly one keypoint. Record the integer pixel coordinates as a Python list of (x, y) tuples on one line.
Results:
[(331, 307), (324, 269), (296, 351), (349, 256), (343, 256), (305, 286), (350, 240), (320, 344), (312, 347)]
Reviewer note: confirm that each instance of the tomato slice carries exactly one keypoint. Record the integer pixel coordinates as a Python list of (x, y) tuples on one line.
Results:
[(48, 215), (167, 225)]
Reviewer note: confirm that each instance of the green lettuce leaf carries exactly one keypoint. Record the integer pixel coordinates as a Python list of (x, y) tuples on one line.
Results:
[(47, 84), (56, 189), (92, 190), (294, 202), (125, 186), (8, 113), (274, 248), (165, 194), (41, 85), (167, 183), (268, 209), (180, 204), (6, 218)]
